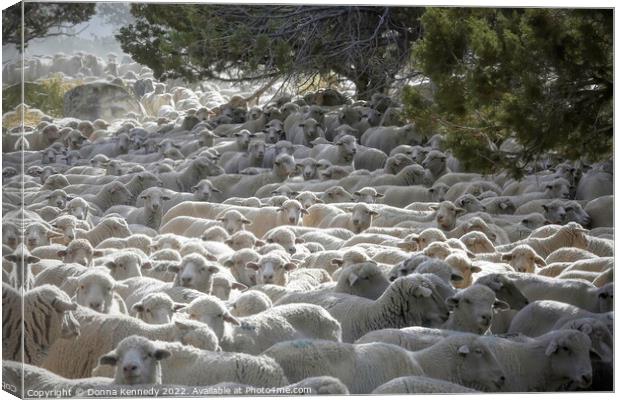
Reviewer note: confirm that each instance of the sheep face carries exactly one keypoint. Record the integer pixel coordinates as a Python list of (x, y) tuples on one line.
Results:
[(336, 194), (576, 213), (308, 167), (116, 227), (156, 308), (285, 238), (36, 235), (469, 203), (58, 198), (606, 298), (211, 311), (435, 161), (601, 338), (361, 217), (154, 199), (347, 147), (293, 210), (447, 214), (241, 240), (10, 234), (194, 272), (524, 259), (243, 139), (367, 195), (569, 357), (66, 226), (126, 266), (272, 269), (137, 361), (364, 280), (406, 267), (273, 134), (79, 251), (95, 291), (237, 264), (504, 289), (422, 299), (308, 199), (439, 250), (233, 221), (216, 234), (477, 365), (472, 309), (554, 212), (284, 165), (559, 188)]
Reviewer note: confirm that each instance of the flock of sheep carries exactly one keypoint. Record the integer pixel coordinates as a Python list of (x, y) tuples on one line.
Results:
[(312, 244)]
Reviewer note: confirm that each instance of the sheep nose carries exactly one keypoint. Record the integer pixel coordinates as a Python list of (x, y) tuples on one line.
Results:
[(586, 380), (292, 250), (95, 305), (356, 222), (291, 220), (267, 278), (59, 204), (130, 368), (485, 318), (186, 280)]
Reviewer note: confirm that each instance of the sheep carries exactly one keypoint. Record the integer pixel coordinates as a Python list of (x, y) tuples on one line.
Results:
[(95, 290), (21, 274), (79, 251), (542, 316), (48, 311), (137, 241), (285, 238), (183, 181), (409, 300), (367, 195), (600, 211), (194, 272), (101, 333), (150, 214), (249, 303), (189, 366), (472, 309), (340, 153), (237, 263), (361, 218), (477, 242), (363, 279), (505, 290), (386, 138), (108, 227), (462, 358), (401, 196), (38, 234), (272, 268), (156, 308), (555, 361), (580, 294), (256, 333), (308, 199), (568, 254), (126, 264), (569, 235)]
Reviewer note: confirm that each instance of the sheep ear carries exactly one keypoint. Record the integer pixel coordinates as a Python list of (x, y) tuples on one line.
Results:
[(474, 269), (337, 261), (452, 302), (97, 253), (259, 243), (120, 286), (228, 263), (551, 348), (193, 189), (299, 240), (460, 211), (421, 291), (455, 277), (352, 279), (290, 266), (178, 306), (246, 221), (507, 257), (378, 195), (160, 354), (586, 328), (304, 211), (11, 258), (146, 265), (211, 257), (470, 254), (213, 269), (374, 213), (138, 307), (501, 305), (174, 268), (54, 234), (434, 207), (229, 318), (110, 264), (319, 201), (463, 350), (108, 359), (239, 286), (538, 260), (357, 193), (544, 206), (252, 265), (62, 305), (166, 198)]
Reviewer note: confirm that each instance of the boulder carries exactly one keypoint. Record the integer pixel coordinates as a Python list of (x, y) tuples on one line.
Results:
[(100, 100)]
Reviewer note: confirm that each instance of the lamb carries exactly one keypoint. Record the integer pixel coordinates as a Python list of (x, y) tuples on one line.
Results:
[(410, 300), (189, 366), (254, 334), (472, 309), (156, 308), (542, 316), (272, 268), (48, 311), (463, 358), (363, 279), (95, 290), (101, 333), (249, 303)]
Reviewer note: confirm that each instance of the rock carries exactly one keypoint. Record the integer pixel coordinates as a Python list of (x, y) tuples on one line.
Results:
[(99, 100)]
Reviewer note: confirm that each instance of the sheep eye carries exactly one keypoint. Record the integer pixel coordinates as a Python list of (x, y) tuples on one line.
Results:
[(220, 315), (148, 310), (467, 301), (81, 286), (526, 221), (479, 351)]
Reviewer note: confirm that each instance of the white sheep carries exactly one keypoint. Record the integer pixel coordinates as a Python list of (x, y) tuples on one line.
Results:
[(249, 303), (96, 290), (471, 309), (156, 308)]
